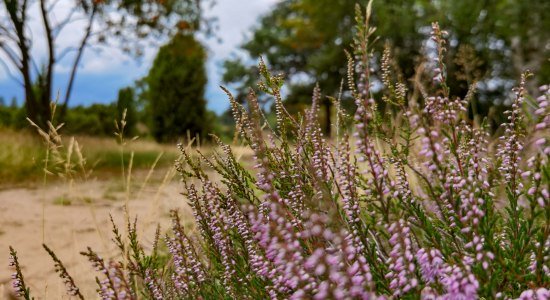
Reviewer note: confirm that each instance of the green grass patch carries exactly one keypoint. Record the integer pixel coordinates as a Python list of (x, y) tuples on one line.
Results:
[(22, 156), (63, 201), (142, 159)]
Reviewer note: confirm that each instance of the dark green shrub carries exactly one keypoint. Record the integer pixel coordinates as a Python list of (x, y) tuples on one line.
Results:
[(175, 93), (127, 102)]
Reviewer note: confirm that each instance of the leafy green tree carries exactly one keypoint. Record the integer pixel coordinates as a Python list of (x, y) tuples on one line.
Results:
[(175, 90), (490, 43), (126, 103), (96, 119), (123, 23)]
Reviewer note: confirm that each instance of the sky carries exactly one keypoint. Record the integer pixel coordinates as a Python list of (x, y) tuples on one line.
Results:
[(102, 73)]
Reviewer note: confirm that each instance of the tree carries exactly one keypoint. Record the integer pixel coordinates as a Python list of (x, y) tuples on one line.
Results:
[(175, 90), (305, 40), (124, 23), (495, 41), (126, 104)]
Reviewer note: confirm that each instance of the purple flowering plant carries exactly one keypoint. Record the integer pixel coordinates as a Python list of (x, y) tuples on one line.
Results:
[(409, 200)]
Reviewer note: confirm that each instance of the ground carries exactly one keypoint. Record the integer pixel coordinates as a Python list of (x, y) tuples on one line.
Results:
[(76, 215)]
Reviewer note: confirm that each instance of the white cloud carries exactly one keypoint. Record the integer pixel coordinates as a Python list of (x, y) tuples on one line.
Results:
[(235, 18)]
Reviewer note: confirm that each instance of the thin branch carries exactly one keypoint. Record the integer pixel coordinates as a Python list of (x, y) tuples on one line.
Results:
[(16, 61), (51, 49), (35, 65), (24, 11), (52, 6), (81, 48), (65, 52), (56, 30), (10, 75), (7, 33)]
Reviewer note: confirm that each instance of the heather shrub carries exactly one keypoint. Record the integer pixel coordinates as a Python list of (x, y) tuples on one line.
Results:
[(410, 201)]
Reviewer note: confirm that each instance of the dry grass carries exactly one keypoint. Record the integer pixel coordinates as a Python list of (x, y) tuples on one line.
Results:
[(22, 156)]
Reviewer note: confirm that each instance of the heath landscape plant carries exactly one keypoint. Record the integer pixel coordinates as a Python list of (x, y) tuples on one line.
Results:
[(411, 200)]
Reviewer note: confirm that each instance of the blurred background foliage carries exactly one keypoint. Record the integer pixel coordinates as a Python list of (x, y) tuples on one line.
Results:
[(175, 89), (129, 25), (491, 42)]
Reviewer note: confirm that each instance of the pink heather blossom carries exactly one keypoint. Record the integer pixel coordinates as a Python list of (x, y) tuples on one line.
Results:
[(535, 294), (431, 264)]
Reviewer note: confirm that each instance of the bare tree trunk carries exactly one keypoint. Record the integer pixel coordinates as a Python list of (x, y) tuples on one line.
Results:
[(46, 86), (36, 111)]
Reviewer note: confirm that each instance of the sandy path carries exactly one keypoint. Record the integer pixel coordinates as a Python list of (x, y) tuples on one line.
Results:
[(69, 229)]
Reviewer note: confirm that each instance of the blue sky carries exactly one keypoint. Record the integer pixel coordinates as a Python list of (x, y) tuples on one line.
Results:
[(102, 74)]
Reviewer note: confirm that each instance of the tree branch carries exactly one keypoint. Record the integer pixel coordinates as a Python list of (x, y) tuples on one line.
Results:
[(65, 52), (35, 65), (52, 6), (17, 14), (81, 48), (7, 33), (51, 53), (56, 30), (16, 61), (10, 75)]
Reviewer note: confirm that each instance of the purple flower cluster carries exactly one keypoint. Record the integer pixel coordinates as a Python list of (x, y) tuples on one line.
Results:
[(113, 285), (431, 149), (154, 285), (431, 264), (544, 261), (218, 230), (189, 271), (543, 110), (18, 283), (444, 110), (510, 152), (277, 238), (314, 135), (346, 179), (401, 261), (459, 284), (335, 269), (538, 294)]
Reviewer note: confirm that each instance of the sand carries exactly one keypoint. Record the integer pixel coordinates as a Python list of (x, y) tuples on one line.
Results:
[(69, 228)]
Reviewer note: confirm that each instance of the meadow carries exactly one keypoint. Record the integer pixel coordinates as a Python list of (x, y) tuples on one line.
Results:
[(410, 198), (23, 153)]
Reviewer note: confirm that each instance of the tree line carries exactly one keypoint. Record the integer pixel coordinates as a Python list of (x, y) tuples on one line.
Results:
[(491, 43)]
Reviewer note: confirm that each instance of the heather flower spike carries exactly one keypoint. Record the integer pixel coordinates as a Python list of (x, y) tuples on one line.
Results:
[(18, 282), (72, 289)]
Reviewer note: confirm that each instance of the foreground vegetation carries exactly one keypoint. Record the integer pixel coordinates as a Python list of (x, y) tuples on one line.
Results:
[(23, 154), (411, 199)]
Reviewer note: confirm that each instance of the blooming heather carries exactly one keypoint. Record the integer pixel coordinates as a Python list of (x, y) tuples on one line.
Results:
[(410, 199)]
